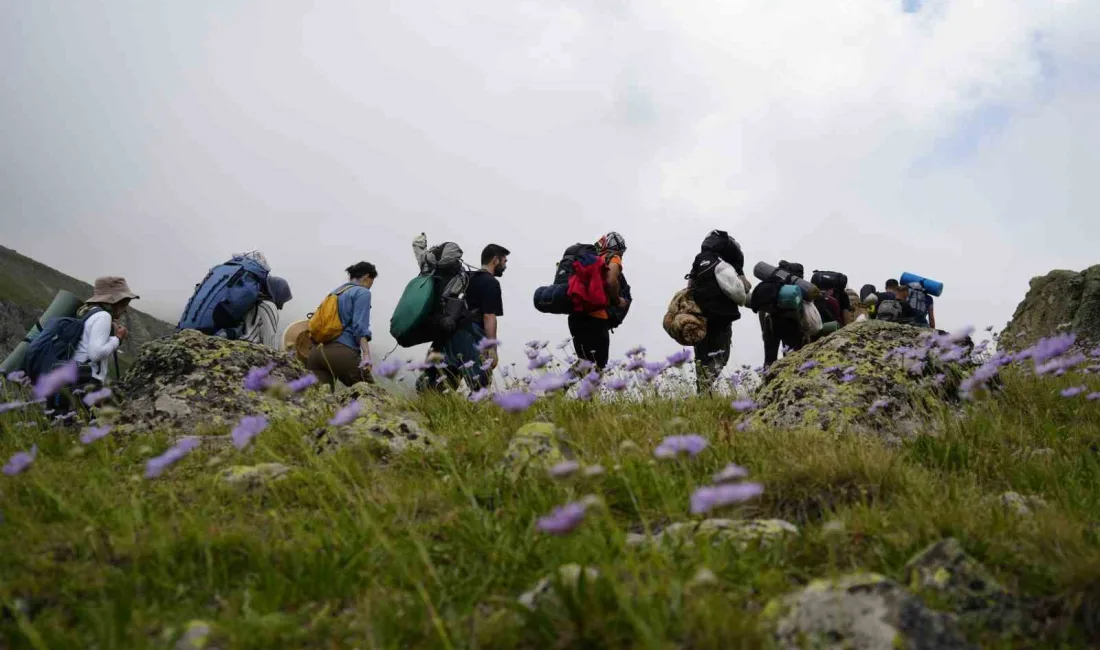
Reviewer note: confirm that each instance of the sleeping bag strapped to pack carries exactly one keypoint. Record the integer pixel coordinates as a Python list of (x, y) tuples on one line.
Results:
[(433, 304), (222, 299), (56, 344), (829, 280)]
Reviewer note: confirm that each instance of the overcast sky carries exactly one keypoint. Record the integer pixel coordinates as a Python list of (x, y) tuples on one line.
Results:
[(956, 139)]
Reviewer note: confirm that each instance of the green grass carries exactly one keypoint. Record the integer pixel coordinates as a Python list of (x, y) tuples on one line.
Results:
[(363, 549)]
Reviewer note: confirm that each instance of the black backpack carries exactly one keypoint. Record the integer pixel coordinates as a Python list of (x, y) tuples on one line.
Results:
[(917, 304), (56, 344), (888, 307), (615, 314), (572, 254), (830, 280)]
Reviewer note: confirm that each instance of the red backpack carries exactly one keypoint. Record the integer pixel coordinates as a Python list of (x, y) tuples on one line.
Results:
[(586, 284)]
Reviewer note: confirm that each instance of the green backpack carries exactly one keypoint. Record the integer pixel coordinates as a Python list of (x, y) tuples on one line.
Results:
[(411, 321)]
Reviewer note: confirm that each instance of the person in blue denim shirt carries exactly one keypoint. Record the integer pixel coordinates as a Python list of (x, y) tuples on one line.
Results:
[(346, 358)]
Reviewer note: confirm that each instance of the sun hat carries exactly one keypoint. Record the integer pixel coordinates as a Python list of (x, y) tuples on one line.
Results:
[(110, 290)]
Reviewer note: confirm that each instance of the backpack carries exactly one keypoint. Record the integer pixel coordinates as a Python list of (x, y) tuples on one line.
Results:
[(586, 286), (684, 321), (888, 307), (325, 325), (616, 314), (433, 304), (556, 298), (222, 299), (56, 344), (789, 298), (917, 304), (829, 280)]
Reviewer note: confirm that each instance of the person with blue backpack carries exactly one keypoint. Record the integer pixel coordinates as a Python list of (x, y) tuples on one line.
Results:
[(227, 295)]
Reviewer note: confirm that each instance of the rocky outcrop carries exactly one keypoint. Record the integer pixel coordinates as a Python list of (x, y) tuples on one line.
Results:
[(190, 384), (863, 611), (740, 533), (536, 446), (1057, 302), (870, 377)]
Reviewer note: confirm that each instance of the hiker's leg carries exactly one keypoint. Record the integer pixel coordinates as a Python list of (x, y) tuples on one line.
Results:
[(462, 349), (771, 341), (712, 354), (582, 344), (318, 365), (345, 364)]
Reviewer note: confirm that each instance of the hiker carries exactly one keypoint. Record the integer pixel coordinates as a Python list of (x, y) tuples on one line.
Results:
[(916, 305), (780, 322), (484, 304), (855, 307), (591, 328), (262, 322), (340, 330), (228, 294), (868, 299), (887, 305), (719, 287)]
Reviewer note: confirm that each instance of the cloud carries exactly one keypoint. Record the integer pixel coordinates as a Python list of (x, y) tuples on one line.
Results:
[(946, 138)]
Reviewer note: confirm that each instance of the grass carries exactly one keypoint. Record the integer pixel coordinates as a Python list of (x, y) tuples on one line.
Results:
[(363, 549)]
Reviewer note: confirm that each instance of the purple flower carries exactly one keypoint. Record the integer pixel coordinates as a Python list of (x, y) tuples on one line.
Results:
[(257, 378), (939, 379), (831, 369), (12, 406), (20, 461), (247, 429), (672, 446), (20, 377), (389, 369), (743, 405), (635, 363), (53, 381), (565, 344), (848, 378), (1048, 348), (563, 520), (537, 345), (1095, 354), (586, 390), (584, 365), (91, 434), (515, 402), (302, 383), (742, 426), (618, 384), (484, 345), (809, 365), (636, 351), (729, 473), (551, 383), (478, 395), (154, 467), (878, 405), (487, 366), (1074, 391), (565, 468), (540, 361), (95, 397), (987, 371), (708, 498), (346, 415), (1092, 397), (677, 359)]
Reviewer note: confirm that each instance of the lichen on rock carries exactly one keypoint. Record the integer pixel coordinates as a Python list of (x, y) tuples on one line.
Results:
[(535, 446), (1057, 302), (741, 533)]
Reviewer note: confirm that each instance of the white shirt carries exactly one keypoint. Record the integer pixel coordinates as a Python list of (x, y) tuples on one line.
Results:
[(261, 323), (97, 344)]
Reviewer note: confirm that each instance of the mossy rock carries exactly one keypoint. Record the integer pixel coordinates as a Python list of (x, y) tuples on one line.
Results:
[(741, 533), (1057, 302), (535, 446)]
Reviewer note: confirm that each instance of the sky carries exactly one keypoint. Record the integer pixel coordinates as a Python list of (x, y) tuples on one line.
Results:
[(954, 139)]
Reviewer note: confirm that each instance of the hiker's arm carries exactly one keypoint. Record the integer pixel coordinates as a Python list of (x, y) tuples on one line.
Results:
[(489, 322), (101, 344), (931, 317), (360, 319), (613, 273)]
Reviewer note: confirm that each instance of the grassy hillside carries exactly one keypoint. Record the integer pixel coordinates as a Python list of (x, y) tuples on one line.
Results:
[(27, 287), (363, 549)]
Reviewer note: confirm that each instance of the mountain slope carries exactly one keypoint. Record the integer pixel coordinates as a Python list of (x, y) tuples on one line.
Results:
[(27, 287)]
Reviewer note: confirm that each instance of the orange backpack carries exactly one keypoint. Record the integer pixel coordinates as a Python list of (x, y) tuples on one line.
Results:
[(324, 324)]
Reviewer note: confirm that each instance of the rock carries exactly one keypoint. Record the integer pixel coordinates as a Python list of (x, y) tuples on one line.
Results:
[(859, 612), (793, 397), (739, 532), (252, 476), (195, 383), (535, 446), (944, 570), (569, 577), (1019, 504), (1058, 298)]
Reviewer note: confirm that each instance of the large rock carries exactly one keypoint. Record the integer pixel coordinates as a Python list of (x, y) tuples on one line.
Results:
[(947, 573), (536, 446), (1057, 302), (741, 533), (192, 383), (859, 612), (887, 394)]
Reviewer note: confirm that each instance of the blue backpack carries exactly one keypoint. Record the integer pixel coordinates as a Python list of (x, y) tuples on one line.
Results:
[(222, 300), (56, 344)]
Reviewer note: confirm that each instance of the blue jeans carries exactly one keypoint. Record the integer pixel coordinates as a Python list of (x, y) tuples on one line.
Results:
[(457, 351)]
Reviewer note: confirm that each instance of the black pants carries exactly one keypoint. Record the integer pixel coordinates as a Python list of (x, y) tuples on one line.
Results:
[(64, 402), (779, 329), (591, 338), (713, 353)]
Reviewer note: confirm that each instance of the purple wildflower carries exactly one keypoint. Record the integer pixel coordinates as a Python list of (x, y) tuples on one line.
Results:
[(467, 365), (729, 473), (540, 361), (302, 383), (484, 345), (12, 406), (708, 498), (743, 405), (515, 402), (672, 446), (1049, 348), (831, 369), (478, 395), (594, 378), (980, 377), (20, 377), (809, 365), (618, 384), (586, 390), (939, 379), (1095, 354), (487, 366), (563, 520), (346, 415), (248, 428), (878, 405), (419, 366), (1092, 397), (53, 381), (91, 434), (551, 383), (95, 397), (20, 461), (564, 469), (677, 359), (154, 467), (848, 377), (389, 369), (636, 351), (742, 426), (635, 363), (1074, 391), (257, 378)]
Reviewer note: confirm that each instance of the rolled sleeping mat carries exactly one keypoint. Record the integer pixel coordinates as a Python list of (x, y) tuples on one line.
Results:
[(931, 287), (829, 327), (64, 304), (763, 271)]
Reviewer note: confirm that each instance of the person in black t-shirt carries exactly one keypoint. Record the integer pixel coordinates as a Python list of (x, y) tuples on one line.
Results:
[(483, 298)]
